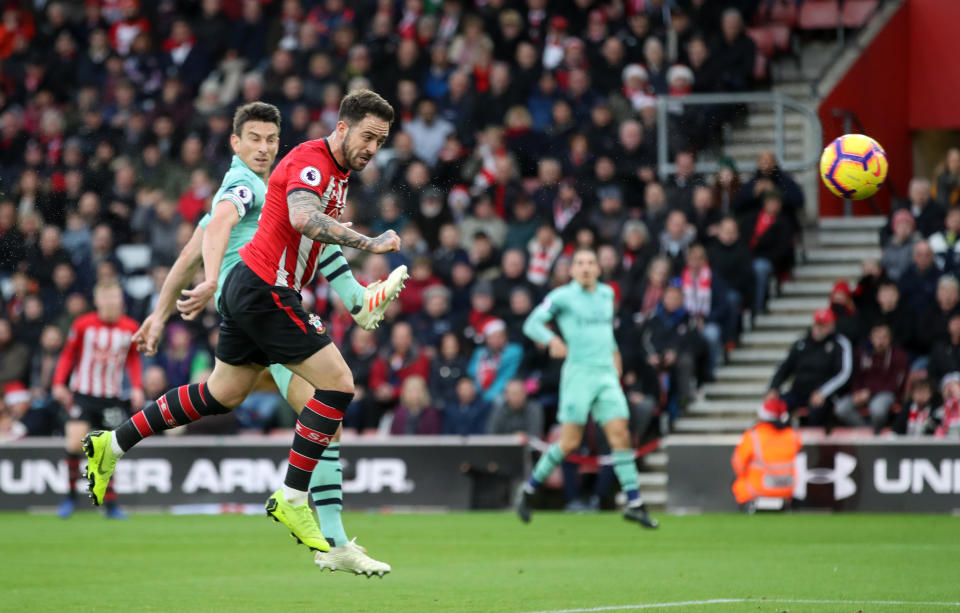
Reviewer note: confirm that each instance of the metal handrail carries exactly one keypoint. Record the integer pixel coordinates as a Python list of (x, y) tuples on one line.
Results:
[(779, 101)]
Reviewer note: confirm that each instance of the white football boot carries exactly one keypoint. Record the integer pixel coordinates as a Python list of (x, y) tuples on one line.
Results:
[(351, 558), (377, 297)]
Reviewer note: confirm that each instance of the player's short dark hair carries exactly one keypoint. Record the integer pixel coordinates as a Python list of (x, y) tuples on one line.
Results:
[(362, 102), (255, 111), (589, 250)]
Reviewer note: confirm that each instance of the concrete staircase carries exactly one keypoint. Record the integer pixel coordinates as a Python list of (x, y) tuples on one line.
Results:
[(835, 249)]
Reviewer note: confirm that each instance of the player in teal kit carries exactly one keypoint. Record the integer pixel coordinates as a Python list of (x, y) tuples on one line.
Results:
[(229, 226), (589, 379)]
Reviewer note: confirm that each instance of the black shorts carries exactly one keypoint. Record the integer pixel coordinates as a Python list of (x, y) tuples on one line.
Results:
[(265, 324), (100, 413)]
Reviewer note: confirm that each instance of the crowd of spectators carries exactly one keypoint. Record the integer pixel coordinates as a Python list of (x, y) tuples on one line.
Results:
[(900, 323), (522, 131)]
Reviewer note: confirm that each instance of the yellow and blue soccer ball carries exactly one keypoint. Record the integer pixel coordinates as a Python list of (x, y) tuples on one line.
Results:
[(854, 166)]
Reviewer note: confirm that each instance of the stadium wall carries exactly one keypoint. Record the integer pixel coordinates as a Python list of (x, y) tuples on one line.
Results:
[(883, 110), (838, 473)]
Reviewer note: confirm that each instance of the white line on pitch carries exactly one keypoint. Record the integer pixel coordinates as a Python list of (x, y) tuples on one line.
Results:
[(690, 603)]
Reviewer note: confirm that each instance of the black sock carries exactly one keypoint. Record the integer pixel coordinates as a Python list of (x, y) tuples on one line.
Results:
[(317, 424), (177, 407)]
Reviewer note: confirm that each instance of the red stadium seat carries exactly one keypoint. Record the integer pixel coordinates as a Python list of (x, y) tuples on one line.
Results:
[(781, 36), (760, 67), (784, 13), (819, 15), (763, 38), (857, 12)]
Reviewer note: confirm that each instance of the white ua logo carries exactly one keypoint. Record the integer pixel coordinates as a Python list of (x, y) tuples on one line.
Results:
[(839, 475)]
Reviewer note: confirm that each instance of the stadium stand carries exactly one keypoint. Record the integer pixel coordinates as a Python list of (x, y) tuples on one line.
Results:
[(522, 133)]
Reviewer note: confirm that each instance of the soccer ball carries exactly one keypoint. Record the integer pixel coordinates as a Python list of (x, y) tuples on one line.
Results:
[(853, 166)]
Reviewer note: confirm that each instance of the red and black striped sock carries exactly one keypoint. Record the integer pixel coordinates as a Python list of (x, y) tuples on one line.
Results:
[(73, 473), (110, 497), (177, 407), (317, 424)]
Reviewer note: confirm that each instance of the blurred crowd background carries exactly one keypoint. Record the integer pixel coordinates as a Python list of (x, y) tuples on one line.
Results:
[(523, 130)]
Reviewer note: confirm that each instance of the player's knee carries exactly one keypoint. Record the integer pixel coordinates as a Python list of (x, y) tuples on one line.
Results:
[(343, 382)]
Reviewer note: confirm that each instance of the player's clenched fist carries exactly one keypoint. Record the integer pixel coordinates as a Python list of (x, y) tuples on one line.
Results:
[(386, 242)]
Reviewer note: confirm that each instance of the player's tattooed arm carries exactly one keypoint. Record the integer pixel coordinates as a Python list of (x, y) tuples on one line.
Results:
[(308, 218)]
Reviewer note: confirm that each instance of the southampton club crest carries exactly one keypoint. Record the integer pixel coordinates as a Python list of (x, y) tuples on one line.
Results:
[(316, 323)]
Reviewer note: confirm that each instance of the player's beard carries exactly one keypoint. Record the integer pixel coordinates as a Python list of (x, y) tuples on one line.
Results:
[(350, 157)]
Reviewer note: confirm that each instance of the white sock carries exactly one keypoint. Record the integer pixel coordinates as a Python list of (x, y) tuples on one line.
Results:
[(115, 445), (294, 497)]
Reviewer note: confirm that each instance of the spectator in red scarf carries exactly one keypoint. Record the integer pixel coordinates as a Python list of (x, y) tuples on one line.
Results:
[(124, 31), (917, 418), (771, 241), (947, 416), (699, 299), (496, 362), (401, 359), (16, 30)]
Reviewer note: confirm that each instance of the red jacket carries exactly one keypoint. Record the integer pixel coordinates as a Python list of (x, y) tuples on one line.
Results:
[(383, 371)]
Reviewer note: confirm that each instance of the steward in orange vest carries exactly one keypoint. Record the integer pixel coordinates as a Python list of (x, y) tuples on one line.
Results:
[(764, 459)]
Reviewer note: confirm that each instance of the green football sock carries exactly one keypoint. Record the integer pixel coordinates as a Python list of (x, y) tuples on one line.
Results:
[(326, 489), (626, 470), (336, 270), (545, 465)]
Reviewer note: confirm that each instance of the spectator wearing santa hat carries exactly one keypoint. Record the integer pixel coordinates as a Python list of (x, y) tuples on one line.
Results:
[(821, 364), (495, 362), (764, 458)]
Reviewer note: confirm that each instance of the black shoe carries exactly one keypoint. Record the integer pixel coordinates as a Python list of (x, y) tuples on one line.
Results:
[(523, 506), (639, 514)]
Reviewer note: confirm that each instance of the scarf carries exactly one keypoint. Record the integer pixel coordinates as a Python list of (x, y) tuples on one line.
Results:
[(541, 261), (651, 298), (562, 216), (487, 367), (696, 291), (950, 420), (764, 221), (917, 420)]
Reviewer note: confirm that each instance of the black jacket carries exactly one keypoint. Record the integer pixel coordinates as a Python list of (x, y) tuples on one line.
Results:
[(944, 359), (824, 365), (733, 264), (776, 244)]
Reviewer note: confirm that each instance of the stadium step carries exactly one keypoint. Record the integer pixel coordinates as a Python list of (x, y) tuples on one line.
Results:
[(794, 322), (839, 255), (778, 338), (852, 223), (849, 238), (806, 288), (768, 120), (656, 459), (795, 305), (827, 271), (744, 373), (734, 390), (713, 424), (724, 407), (652, 479), (754, 356)]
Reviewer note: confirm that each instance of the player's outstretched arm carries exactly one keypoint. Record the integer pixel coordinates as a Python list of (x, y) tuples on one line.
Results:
[(147, 338), (307, 218), (216, 238)]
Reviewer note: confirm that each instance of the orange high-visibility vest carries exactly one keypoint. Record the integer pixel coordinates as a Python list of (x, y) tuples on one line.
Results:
[(764, 462)]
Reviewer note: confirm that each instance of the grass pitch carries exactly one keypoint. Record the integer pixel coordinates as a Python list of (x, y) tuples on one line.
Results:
[(485, 563)]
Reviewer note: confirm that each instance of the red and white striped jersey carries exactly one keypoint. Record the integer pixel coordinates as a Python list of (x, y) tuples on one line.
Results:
[(96, 353), (277, 253)]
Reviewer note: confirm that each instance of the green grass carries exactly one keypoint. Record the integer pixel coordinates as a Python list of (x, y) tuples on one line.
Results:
[(481, 562)]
